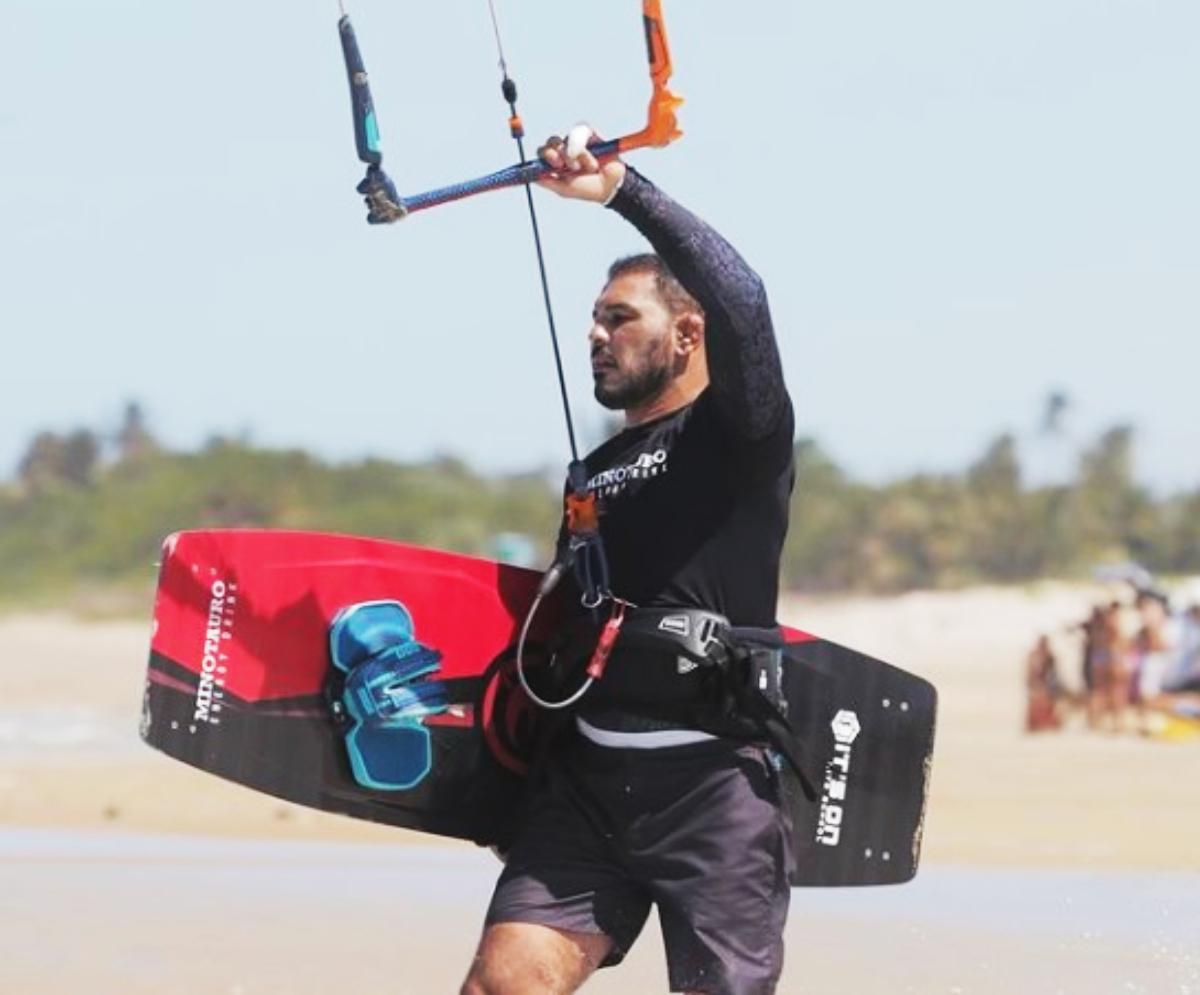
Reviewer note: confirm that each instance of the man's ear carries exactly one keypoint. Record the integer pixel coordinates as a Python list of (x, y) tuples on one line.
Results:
[(689, 332)]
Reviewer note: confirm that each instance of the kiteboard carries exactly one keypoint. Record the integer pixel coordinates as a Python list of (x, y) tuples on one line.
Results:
[(254, 676)]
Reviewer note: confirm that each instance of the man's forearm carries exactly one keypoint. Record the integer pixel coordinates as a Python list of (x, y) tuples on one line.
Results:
[(743, 359)]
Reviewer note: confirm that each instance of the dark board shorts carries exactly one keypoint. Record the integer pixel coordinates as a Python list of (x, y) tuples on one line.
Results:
[(696, 830)]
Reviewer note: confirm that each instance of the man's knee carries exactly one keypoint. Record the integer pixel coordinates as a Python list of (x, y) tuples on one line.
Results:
[(523, 958)]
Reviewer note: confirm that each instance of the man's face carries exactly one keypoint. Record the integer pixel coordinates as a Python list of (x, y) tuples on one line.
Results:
[(632, 342)]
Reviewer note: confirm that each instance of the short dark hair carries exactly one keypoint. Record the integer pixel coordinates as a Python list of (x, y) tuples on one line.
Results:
[(672, 292)]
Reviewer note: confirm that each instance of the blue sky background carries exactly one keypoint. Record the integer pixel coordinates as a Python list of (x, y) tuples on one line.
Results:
[(956, 207)]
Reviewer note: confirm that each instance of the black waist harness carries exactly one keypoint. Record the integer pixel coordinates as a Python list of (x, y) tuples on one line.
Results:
[(691, 667)]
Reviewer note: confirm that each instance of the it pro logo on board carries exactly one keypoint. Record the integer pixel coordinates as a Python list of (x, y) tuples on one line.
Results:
[(846, 727)]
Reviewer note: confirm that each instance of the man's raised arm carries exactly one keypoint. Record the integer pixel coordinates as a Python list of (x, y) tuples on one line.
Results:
[(744, 369)]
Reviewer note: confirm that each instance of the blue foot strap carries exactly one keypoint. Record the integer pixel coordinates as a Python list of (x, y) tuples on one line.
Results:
[(387, 694)]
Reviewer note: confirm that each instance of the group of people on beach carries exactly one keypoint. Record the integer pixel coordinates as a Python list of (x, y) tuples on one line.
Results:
[(1139, 669)]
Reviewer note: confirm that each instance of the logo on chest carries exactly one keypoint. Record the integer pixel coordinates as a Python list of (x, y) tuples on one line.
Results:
[(615, 480)]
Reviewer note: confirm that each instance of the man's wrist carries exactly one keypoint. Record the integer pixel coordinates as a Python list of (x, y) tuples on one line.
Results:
[(612, 195)]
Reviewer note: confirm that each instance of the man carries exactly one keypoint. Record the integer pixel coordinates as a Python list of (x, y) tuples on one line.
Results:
[(650, 801)]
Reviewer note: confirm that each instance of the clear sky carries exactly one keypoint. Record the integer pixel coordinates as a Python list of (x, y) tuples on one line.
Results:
[(957, 207)]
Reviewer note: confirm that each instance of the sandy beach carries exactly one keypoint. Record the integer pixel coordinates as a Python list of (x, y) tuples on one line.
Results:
[(1083, 821)]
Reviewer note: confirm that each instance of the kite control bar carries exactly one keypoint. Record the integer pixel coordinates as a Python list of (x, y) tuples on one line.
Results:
[(386, 205)]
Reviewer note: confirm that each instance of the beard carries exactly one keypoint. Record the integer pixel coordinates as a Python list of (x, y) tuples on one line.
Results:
[(620, 391)]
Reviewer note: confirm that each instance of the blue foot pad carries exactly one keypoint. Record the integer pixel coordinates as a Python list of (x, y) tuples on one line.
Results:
[(386, 694)]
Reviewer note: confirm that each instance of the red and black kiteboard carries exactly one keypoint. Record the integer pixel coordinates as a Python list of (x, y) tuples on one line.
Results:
[(240, 676)]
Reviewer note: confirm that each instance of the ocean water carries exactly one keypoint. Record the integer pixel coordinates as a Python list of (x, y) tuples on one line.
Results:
[(101, 912)]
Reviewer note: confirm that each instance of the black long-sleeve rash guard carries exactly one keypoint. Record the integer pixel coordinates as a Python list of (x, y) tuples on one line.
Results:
[(694, 505)]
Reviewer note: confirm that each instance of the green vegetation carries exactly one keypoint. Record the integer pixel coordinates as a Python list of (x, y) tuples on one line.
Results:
[(76, 520), (983, 525)]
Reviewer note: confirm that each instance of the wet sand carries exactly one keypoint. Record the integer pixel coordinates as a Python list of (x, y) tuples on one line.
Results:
[(101, 912), (1100, 829)]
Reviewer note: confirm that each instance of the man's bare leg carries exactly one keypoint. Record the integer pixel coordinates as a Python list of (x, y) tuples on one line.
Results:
[(516, 958)]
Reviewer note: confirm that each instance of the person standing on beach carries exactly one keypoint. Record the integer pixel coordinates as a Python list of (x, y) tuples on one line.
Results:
[(1043, 688), (1110, 670), (649, 799)]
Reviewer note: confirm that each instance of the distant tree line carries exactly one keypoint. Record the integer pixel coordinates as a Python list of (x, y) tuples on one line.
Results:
[(983, 524), (88, 508)]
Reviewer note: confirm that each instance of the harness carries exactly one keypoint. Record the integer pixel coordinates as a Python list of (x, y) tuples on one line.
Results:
[(741, 673)]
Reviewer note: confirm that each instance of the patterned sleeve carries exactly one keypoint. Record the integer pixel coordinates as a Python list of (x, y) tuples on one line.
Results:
[(745, 373)]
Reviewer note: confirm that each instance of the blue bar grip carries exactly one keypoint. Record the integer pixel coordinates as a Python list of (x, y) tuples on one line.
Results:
[(511, 176)]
